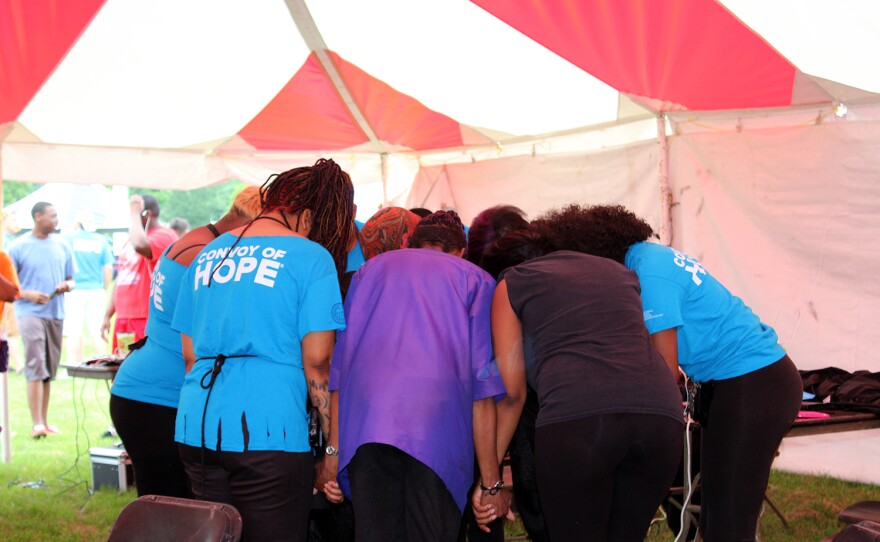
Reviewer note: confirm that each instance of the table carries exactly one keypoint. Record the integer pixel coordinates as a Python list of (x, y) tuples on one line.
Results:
[(838, 421), (107, 372)]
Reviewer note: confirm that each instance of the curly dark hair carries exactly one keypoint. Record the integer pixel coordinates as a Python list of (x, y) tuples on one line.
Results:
[(601, 230), (442, 229), (491, 225)]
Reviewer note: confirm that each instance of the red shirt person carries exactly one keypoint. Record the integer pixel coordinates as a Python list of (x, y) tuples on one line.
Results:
[(147, 240)]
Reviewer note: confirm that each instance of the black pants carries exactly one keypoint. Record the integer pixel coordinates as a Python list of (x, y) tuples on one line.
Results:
[(397, 498), (525, 488), (147, 431), (271, 490), (747, 418), (603, 477)]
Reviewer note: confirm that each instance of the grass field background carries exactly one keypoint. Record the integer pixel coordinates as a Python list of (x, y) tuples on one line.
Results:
[(45, 491)]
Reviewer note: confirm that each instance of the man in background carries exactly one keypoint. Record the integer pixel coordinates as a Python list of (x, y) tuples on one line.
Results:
[(45, 270), (179, 225), (93, 274), (147, 240)]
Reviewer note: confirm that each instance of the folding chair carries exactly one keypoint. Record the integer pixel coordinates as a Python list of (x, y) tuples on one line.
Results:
[(154, 518)]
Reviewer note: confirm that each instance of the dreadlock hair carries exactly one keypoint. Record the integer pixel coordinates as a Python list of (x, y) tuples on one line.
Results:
[(441, 229), (600, 230), (513, 249), (327, 191), (490, 225)]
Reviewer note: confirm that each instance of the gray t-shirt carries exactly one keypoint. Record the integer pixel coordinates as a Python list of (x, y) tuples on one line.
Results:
[(586, 346)]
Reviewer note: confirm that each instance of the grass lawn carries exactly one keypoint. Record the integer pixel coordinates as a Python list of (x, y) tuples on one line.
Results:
[(44, 491)]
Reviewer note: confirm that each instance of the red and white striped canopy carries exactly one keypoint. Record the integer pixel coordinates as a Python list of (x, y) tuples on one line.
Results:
[(180, 93)]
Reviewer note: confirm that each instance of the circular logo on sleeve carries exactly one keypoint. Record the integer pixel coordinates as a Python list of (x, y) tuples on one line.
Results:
[(338, 313)]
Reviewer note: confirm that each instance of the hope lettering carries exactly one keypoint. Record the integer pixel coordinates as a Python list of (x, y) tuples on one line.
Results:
[(156, 289), (264, 269)]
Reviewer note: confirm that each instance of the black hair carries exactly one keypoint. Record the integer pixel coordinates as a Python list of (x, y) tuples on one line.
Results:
[(490, 225), (441, 229), (513, 249), (39, 207), (600, 230), (151, 204), (420, 211)]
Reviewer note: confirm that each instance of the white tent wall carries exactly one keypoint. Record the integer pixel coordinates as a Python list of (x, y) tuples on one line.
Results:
[(625, 175), (786, 217), (148, 168)]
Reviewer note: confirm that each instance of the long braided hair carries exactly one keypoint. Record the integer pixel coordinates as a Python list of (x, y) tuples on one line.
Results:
[(324, 189)]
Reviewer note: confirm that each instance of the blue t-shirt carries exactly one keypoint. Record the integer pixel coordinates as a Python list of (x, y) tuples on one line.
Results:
[(154, 373), (719, 337), (356, 255), (261, 301), (91, 253), (41, 264)]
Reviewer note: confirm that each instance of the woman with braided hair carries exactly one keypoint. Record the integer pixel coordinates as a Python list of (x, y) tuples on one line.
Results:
[(259, 320), (749, 389)]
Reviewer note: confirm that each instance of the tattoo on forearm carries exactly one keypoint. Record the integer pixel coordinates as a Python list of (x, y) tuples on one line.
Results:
[(318, 391)]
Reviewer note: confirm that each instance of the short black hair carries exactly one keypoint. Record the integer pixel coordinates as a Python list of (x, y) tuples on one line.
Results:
[(39, 207), (513, 249), (421, 211), (442, 229), (151, 204), (491, 225)]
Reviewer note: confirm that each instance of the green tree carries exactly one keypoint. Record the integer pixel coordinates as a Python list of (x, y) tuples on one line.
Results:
[(15, 190), (199, 206)]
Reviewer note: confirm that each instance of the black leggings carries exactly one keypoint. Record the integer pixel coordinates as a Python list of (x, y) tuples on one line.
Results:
[(147, 431), (603, 477), (748, 416)]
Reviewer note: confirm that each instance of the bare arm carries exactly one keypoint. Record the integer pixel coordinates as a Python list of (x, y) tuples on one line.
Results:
[(137, 236), (66, 286), (8, 290), (666, 342), (507, 342), (34, 296), (497, 505), (317, 348), (108, 314), (189, 354), (326, 478), (108, 275)]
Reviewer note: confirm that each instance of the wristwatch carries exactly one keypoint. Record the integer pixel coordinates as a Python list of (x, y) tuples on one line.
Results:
[(330, 450)]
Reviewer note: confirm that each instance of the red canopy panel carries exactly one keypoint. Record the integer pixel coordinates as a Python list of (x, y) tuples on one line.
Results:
[(34, 37), (649, 48), (308, 114)]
